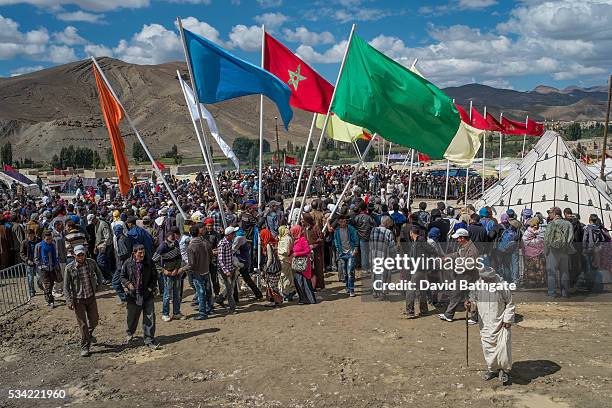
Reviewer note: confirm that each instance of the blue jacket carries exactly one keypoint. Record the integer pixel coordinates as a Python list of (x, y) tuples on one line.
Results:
[(352, 235), (140, 236)]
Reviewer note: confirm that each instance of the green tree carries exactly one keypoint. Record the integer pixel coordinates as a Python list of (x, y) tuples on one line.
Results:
[(289, 146), (362, 145), (110, 158), (6, 152), (573, 131), (138, 152), (253, 154), (55, 162), (242, 148), (96, 159)]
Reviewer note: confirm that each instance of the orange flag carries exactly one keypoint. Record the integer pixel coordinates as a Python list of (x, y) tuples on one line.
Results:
[(112, 112)]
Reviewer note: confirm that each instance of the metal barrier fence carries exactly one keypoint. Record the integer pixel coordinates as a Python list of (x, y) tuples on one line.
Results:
[(13, 288)]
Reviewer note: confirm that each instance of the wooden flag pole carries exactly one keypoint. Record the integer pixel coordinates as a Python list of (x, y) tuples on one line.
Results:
[(410, 178), (467, 168), (142, 143), (316, 156), (299, 180), (204, 140), (260, 204), (605, 136), (446, 181), (484, 156)]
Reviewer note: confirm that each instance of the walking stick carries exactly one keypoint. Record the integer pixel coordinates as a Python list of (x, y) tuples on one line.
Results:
[(467, 331)]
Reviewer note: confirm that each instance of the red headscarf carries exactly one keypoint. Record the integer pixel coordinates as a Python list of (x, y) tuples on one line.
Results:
[(266, 237)]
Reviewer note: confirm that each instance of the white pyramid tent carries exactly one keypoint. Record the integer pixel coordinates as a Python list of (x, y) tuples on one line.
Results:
[(550, 176)]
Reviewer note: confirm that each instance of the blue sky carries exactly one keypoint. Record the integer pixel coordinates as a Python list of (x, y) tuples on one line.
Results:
[(509, 44)]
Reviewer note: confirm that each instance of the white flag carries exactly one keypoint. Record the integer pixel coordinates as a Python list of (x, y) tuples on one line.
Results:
[(212, 125)]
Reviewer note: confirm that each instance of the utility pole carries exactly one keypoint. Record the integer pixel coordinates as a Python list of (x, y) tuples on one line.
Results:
[(277, 143), (605, 137)]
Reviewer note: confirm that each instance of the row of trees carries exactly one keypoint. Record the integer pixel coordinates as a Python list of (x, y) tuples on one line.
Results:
[(80, 157)]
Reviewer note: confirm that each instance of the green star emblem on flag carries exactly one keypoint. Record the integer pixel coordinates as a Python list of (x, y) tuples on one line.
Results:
[(295, 77)]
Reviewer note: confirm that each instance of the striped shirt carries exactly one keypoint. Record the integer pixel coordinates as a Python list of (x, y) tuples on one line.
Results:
[(225, 256), (73, 238)]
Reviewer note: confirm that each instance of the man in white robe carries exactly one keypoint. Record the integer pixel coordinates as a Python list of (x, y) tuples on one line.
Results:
[(496, 315)]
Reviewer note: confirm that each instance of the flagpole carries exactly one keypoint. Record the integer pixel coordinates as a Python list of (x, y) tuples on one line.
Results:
[(260, 177), (204, 140), (467, 168), (299, 180), (501, 115), (316, 156), (525, 137), (484, 156), (261, 117), (410, 176), (350, 180), (389, 154), (356, 150), (142, 143), (446, 182)]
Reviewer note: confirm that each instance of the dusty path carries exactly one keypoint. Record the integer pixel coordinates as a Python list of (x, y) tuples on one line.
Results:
[(342, 352)]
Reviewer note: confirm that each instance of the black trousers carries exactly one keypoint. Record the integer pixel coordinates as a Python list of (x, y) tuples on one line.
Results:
[(148, 318), (246, 277)]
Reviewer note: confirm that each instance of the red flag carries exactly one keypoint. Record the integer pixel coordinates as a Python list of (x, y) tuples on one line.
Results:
[(112, 113), (9, 168), (309, 90), (464, 115), (365, 135), (160, 165), (512, 127), (423, 157), (534, 128), (478, 121), (494, 125), (290, 160)]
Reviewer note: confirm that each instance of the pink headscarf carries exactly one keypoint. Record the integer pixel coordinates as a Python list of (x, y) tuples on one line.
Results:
[(296, 231)]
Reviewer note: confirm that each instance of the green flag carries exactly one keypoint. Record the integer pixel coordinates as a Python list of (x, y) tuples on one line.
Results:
[(385, 97)]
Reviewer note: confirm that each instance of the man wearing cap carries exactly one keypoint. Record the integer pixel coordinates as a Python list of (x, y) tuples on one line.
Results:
[(208, 233), (45, 257), (82, 278), (495, 317), (468, 254), (225, 258), (139, 280)]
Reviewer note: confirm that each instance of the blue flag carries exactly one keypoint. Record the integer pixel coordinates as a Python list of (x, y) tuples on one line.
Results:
[(220, 75)]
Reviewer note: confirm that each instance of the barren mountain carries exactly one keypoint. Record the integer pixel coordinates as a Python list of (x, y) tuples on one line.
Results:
[(43, 111)]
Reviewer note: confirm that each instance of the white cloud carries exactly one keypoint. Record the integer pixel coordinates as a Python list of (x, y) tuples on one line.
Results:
[(13, 42), (306, 37), (270, 3), (476, 4), (332, 55), (26, 70), (202, 28), (153, 44), (498, 83), (206, 2), (80, 15), (69, 36), (246, 38), (271, 21), (60, 54), (90, 5), (361, 14), (98, 50)]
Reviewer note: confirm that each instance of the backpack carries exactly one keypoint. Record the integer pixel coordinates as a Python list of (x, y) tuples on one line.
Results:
[(423, 218), (509, 239), (557, 238)]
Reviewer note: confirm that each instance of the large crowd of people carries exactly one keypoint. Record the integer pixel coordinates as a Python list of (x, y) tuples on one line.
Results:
[(143, 244)]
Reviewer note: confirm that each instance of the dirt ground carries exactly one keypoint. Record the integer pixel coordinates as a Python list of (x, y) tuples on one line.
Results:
[(341, 352)]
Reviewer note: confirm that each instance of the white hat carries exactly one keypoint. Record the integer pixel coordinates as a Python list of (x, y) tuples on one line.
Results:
[(231, 230), (461, 232), (79, 249), (90, 218)]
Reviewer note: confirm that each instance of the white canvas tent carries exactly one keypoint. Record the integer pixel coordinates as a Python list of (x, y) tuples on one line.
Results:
[(550, 176)]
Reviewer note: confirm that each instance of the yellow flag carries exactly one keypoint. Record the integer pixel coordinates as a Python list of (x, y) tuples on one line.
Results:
[(339, 130)]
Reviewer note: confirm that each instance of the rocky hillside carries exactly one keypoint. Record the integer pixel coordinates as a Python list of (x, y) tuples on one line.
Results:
[(43, 111)]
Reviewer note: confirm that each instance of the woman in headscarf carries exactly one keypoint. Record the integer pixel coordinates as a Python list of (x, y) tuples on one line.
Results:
[(272, 267), (315, 240), (533, 254), (301, 249), (285, 247)]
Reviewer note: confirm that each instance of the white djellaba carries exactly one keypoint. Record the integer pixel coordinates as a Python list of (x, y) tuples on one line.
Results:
[(494, 309)]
